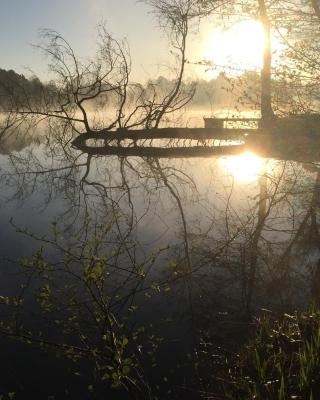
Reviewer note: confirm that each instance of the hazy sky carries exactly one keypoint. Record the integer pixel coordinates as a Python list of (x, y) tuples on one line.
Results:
[(22, 20)]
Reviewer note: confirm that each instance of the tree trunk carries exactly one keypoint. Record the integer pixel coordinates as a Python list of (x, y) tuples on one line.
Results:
[(267, 114)]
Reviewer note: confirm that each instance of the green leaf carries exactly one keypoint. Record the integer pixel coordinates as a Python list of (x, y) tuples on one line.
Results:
[(105, 377), (126, 370)]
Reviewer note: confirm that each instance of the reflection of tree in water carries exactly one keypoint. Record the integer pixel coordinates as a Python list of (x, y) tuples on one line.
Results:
[(81, 176), (230, 250)]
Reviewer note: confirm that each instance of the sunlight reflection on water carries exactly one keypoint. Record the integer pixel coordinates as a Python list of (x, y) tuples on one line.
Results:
[(246, 167)]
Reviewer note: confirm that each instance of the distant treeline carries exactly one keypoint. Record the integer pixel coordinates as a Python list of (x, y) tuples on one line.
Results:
[(221, 91), (16, 87)]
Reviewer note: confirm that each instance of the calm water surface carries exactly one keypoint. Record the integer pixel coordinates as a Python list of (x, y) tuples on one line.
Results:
[(244, 228)]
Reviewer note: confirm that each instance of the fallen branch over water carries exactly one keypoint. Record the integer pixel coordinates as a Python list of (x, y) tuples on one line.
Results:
[(167, 133)]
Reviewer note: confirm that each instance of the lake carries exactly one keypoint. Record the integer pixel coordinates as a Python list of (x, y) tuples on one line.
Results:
[(161, 252)]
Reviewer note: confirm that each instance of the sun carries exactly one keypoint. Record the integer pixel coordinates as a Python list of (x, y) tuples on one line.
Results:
[(239, 48), (246, 167)]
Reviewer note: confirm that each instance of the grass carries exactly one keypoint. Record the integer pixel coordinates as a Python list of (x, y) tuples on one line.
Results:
[(281, 361)]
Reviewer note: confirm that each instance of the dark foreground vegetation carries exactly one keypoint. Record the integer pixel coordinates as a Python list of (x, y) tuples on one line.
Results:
[(280, 361)]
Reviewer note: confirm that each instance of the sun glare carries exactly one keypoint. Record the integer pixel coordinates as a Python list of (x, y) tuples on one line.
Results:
[(240, 47), (246, 167)]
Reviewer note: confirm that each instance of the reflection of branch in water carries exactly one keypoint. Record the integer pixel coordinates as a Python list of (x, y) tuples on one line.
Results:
[(262, 214), (175, 195), (163, 152), (264, 211), (308, 234)]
